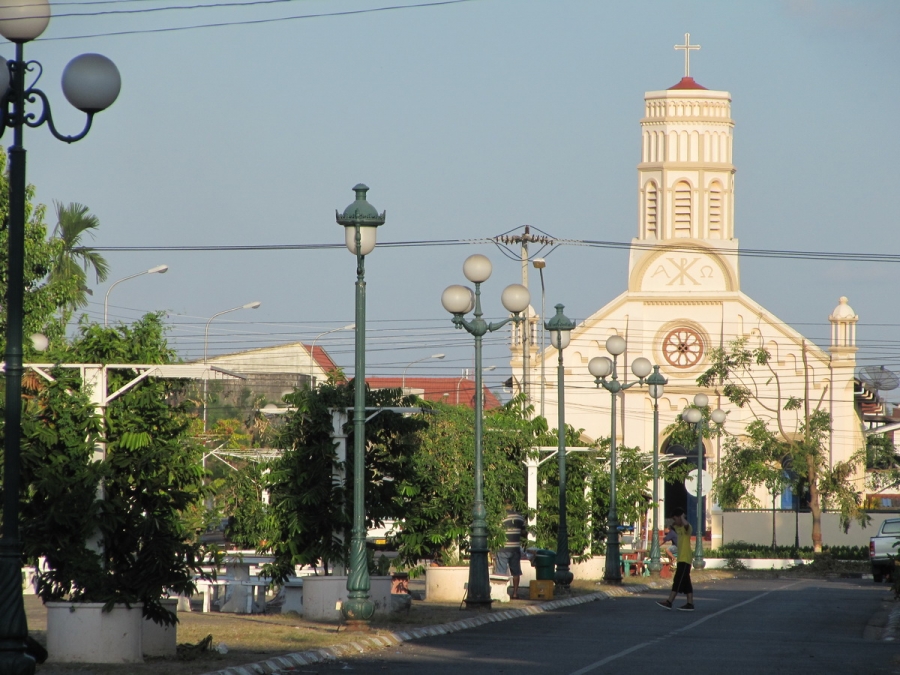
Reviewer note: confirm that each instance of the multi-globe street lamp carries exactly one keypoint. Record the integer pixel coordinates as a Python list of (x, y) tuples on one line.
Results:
[(602, 367), (695, 417), (159, 269), (91, 83), (560, 327), (459, 301), (424, 358), (655, 387), (360, 221)]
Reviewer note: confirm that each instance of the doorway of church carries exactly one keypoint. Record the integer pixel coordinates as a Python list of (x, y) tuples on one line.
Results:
[(675, 494)]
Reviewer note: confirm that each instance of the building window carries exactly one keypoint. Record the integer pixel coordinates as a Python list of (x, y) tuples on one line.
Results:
[(715, 210), (682, 209), (650, 212), (683, 347)]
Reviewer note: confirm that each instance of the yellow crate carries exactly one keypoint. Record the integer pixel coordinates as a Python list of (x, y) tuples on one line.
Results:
[(540, 590)]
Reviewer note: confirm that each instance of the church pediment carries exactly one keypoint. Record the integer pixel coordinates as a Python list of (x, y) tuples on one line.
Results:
[(683, 269)]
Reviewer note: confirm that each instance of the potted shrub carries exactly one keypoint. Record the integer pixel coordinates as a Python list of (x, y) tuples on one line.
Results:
[(110, 528)]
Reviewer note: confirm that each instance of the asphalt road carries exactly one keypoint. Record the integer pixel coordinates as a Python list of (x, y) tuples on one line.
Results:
[(740, 627)]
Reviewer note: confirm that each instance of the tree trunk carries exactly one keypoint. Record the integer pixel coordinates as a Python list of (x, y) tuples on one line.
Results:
[(814, 505)]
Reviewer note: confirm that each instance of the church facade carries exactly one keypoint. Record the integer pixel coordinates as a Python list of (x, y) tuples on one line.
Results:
[(683, 298)]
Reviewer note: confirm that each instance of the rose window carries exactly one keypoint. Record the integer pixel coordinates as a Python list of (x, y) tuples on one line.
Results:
[(683, 347)]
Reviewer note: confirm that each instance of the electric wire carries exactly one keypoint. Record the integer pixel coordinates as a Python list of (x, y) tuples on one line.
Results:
[(250, 22)]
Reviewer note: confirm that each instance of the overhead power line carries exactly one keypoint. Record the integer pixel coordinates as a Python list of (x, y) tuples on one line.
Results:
[(831, 256), (246, 22)]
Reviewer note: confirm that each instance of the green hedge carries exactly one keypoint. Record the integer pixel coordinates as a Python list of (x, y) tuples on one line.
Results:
[(741, 549)]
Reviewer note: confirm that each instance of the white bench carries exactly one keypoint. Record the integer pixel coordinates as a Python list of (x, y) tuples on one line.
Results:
[(210, 590)]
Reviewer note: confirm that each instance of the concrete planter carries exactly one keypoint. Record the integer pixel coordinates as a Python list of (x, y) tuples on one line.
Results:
[(80, 632), (160, 640), (446, 584), (322, 594)]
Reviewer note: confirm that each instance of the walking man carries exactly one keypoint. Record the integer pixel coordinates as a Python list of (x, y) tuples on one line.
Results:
[(682, 581)]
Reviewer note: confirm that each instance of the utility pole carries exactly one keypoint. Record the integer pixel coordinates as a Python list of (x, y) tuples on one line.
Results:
[(523, 240)]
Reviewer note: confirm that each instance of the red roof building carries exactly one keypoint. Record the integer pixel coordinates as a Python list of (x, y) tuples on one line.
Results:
[(452, 390)]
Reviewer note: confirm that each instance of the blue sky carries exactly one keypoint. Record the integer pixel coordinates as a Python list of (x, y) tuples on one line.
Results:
[(466, 120)]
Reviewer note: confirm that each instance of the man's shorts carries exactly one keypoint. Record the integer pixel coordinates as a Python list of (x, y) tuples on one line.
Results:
[(507, 561)]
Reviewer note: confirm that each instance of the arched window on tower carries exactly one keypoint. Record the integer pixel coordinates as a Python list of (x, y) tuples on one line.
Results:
[(715, 210), (682, 220), (651, 210)]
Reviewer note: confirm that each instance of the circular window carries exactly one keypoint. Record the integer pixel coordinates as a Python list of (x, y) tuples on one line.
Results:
[(683, 347)]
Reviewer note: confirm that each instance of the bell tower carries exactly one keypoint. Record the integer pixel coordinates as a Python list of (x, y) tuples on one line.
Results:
[(686, 178)]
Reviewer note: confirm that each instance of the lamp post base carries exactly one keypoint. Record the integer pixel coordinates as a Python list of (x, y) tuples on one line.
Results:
[(479, 605), (563, 577), (357, 626), (13, 624), (357, 610)]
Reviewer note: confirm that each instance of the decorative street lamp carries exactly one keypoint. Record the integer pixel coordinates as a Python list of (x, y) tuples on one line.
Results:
[(424, 358), (655, 386), (695, 417), (601, 367), (460, 300), (159, 269), (360, 221), (90, 83), (560, 327)]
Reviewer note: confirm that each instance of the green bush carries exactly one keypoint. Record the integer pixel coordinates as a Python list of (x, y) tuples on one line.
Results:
[(742, 549)]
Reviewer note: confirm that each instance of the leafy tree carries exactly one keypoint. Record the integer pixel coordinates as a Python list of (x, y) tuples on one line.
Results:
[(756, 460), (241, 490), (736, 372), (50, 294), (309, 508), (150, 478), (436, 499), (70, 254), (59, 508)]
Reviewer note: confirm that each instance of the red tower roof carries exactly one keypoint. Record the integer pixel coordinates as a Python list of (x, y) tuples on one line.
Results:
[(687, 83)]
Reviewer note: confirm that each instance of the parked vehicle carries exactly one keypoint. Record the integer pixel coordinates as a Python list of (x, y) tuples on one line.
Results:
[(883, 547)]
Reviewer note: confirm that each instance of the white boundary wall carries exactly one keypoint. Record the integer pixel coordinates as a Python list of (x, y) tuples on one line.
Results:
[(756, 528)]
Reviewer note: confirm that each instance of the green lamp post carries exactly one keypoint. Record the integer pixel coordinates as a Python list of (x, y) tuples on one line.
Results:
[(460, 300), (90, 83), (602, 367), (655, 386), (560, 328), (360, 221), (695, 417)]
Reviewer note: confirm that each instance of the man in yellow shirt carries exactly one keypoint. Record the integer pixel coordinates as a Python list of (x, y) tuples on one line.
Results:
[(682, 581)]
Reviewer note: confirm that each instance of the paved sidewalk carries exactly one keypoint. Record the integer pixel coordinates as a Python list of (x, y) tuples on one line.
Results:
[(289, 662)]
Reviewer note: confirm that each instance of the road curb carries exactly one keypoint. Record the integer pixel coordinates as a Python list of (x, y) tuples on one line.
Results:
[(277, 664), (892, 627)]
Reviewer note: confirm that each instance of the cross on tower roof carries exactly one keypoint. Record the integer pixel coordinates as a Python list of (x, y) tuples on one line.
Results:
[(687, 47)]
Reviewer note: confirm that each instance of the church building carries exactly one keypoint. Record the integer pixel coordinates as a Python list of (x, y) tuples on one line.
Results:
[(682, 298)]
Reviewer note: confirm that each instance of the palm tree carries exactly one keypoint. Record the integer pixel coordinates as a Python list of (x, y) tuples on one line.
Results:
[(73, 221)]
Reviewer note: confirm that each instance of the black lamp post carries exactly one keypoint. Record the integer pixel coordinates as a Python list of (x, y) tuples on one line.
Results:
[(360, 221), (91, 83), (459, 301), (560, 327)]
